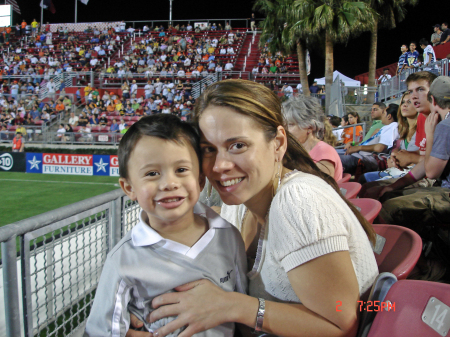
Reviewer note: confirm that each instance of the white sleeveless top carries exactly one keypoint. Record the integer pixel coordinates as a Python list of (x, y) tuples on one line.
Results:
[(307, 219)]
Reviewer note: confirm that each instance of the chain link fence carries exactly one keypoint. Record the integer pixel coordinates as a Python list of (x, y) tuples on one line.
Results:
[(53, 262)]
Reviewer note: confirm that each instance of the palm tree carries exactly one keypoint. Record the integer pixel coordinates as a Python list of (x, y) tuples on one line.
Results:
[(388, 12), (337, 20), (276, 27)]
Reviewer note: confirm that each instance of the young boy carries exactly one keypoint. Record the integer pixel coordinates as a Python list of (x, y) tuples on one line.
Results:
[(176, 241)]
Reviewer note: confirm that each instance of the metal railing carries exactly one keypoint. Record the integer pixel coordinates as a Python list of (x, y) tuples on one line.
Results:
[(396, 85), (53, 262), (199, 86), (355, 139), (37, 136)]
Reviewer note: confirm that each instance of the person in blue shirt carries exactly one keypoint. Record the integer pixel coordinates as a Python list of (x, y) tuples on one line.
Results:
[(114, 126), (412, 56), (402, 61), (314, 89)]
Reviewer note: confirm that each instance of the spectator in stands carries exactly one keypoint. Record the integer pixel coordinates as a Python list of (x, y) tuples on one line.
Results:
[(125, 90), (306, 122), (60, 135), (445, 37), (412, 56), (428, 52), (86, 135), (227, 26), (18, 143), (114, 126), (436, 36), (103, 120), (403, 59), (314, 89), (407, 125), (73, 120), (60, 106), (287, 90), (380, 142), (386, 76), (351, 135)]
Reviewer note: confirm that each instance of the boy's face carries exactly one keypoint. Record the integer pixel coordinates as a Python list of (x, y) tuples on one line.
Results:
[(164, 179), (418, 94)]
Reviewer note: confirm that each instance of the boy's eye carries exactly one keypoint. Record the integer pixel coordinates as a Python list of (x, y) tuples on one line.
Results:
[(182, 170), (207, 149), (152, 174)]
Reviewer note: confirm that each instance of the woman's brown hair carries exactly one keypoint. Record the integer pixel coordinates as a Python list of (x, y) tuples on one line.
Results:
[(264, 107), (403, 124)]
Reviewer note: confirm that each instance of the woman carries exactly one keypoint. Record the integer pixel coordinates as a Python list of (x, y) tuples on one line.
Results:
[(306, 122), (407, 124), (125, 90), (347, 134), (313, 253)]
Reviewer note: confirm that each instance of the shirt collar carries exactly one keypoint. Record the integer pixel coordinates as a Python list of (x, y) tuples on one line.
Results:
[(143, 235)]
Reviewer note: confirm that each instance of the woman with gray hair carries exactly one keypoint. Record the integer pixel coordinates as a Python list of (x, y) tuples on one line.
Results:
[(307, 123)]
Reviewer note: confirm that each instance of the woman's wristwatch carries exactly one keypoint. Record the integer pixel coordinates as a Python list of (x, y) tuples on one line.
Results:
[(260, 314)]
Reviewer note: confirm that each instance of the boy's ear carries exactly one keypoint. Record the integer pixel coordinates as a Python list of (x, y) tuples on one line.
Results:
[(202, 181), (127, 188)]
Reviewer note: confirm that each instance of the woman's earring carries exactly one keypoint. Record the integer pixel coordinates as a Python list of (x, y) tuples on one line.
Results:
[(279, 176)]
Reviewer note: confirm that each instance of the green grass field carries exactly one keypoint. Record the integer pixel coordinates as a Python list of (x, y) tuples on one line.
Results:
[(24, 195)]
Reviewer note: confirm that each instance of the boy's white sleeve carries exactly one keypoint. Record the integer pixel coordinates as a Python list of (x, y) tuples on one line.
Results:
[(109, 315), (241, 265)]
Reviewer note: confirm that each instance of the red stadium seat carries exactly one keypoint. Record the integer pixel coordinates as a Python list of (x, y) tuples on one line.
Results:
[(369, 208), (421, 309), (398, 250), (351, 189), (345, 178)]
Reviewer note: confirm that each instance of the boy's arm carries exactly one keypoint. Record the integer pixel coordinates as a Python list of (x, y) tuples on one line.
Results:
[(109, 314), (368, 148), (436, 139)]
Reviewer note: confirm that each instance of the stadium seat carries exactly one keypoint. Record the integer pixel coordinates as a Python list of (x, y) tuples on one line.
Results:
[(345, 178), (350, 190), (397, 250), (369, 208), (421, 309)]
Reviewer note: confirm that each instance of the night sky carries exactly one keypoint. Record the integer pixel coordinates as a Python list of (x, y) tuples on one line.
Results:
[(350, 59)]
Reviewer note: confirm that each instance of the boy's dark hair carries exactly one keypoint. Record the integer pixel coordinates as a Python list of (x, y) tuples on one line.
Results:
[(380, 104), (421, 75), (164, 126), (345, 118), (335, 121), (392, 110), (423, 42), (413, 42)]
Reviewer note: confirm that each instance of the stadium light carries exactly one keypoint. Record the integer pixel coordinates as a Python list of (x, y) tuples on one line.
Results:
[(170, 13)]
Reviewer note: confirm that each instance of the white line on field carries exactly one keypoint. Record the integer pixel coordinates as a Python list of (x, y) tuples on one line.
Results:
[(62, 182)]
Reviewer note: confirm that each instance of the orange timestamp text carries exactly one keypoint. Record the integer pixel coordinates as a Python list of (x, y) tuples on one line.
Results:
[(370, 306)]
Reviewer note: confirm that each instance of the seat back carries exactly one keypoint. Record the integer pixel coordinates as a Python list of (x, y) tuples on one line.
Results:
[(369, 208), (378, 293), (421, 308), (400, 251), (351, 189), (345, 178)]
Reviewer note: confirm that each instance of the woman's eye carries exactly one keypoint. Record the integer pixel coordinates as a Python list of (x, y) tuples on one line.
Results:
[(237, 146)]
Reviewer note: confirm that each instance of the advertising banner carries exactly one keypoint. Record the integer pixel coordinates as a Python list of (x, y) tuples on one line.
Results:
[(74, 164), (12, 161)]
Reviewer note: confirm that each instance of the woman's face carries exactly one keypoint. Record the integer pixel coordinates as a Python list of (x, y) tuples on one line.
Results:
[(407, 107), (237, 159), (352, 119)]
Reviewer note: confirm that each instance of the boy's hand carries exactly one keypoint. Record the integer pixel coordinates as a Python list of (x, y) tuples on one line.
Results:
[(135, 323), (430, 124)]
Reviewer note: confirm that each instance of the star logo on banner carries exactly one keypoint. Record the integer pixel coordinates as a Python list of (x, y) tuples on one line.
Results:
[(101, 166), (34, 163)]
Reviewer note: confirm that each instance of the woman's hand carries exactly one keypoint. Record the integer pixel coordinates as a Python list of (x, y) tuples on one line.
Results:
[(199, 305)]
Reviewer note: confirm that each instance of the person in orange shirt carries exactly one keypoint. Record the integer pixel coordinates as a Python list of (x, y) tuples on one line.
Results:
[(205, 57), (200, 67), (8, 33), (23, 27), (60, 106), (111, 107), (347, 134)]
